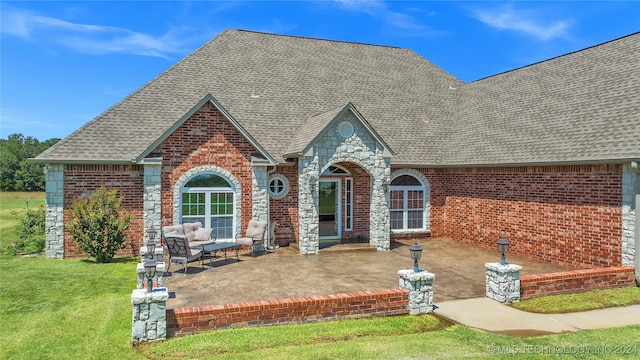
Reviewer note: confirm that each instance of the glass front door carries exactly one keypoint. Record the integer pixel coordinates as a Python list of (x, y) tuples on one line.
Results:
[(329, 209)]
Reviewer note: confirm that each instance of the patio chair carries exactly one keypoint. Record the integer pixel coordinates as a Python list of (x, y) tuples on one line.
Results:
[(180, 252), (254, 236)]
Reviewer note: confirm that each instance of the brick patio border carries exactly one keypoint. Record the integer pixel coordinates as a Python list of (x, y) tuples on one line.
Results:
[(575, 281), (191, 320)]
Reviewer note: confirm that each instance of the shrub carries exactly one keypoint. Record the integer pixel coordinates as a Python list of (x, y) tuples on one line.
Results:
[(98, 225), (31, 232)]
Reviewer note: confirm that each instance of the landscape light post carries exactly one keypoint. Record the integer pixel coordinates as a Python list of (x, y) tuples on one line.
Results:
[(416, 252), (503, 247)]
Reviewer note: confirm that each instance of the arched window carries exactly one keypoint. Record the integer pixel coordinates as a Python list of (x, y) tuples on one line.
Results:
[(407, 203), (208, 199)]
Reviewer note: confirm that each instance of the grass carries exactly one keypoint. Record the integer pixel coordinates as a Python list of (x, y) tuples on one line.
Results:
[(11, 203), (71, 309), (590, 300)]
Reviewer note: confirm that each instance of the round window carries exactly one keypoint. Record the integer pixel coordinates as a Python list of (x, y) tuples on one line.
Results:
[(278, 186), (345, 129)]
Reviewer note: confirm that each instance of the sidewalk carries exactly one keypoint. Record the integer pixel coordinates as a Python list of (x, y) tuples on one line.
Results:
[(492, 316)]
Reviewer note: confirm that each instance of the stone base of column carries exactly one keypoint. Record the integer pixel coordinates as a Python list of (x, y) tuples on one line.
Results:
[(503, 282), (420, 287), (149, 315)]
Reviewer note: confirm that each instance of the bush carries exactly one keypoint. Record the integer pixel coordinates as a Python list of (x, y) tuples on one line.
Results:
[(98, 225), (31, 232)]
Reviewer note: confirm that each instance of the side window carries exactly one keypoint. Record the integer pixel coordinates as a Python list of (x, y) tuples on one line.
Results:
[(407, 204)]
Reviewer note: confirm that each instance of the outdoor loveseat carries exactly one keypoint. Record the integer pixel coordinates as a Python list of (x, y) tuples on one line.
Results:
[(195, 233)]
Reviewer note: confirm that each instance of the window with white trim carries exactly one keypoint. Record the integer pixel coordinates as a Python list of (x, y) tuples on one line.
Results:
[(407, 203), (348, 204), (208, 199), (278, 186)]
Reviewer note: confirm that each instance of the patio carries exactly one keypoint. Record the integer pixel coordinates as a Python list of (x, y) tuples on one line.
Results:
[(284, 273)]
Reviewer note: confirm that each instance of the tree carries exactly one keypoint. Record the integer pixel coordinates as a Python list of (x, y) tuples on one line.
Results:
[(98, 225), (17, 173)]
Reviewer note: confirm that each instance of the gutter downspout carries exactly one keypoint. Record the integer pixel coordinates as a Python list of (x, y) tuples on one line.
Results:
[(271, 246)]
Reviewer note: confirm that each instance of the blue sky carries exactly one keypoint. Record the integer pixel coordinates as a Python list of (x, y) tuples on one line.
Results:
[(64, 63)]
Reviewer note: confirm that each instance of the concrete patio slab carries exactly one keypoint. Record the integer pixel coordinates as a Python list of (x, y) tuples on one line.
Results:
[(284, 273)]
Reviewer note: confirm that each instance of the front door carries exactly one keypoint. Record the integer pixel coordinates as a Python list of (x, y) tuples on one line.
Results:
[(329, 209)]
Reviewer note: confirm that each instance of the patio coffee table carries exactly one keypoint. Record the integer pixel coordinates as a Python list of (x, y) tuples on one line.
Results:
[(211, 249)]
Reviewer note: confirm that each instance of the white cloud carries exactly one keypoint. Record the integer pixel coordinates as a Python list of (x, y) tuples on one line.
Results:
[(378, 9), (523, 21), (96, 39)]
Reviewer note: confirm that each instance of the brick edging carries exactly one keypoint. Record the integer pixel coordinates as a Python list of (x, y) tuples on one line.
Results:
[(191, 320), (576, 281)]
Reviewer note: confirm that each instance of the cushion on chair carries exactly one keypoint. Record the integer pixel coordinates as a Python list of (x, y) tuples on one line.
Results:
[(190, 229), (203, 234), (256, 229), (244, 241), (173, 229), (174, 233)]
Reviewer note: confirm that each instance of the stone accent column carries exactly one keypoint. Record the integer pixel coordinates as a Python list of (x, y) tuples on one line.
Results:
[(420, 287), (503, 282), (54, 223), (149, 315), (260, 180), (152, 196), (379, 218), (158, 279), (307, 207), (630, 189)]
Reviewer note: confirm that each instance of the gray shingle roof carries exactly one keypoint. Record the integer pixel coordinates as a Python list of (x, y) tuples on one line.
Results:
[(578, 107), (584, 106)]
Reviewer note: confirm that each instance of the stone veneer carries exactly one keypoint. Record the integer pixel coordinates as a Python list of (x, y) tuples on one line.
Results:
[(260, 182), (420, 287), (630, 189), (149, 315), (503, 282), (54, 175), (360, 148), (152, 210)]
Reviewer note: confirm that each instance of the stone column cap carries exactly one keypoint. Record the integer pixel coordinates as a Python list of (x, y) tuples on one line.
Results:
[(416, 276), (496, 266), (141, 296)]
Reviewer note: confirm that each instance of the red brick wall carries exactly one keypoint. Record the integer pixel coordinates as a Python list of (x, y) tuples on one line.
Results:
[(562, 214), (575, 281), (361, 201), (185, 321), (285, 211), (81, 181), (206, 138)]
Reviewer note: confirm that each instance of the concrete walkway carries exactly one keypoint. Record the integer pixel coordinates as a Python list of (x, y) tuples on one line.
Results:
[(490, 315)]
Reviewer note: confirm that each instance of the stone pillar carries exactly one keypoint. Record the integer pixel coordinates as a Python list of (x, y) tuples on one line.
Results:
[(260, 181), (54, 223), (503, 282), (149, 315), (158, 279), (152, 196), (420, 287), (158, 253), (309, 231)]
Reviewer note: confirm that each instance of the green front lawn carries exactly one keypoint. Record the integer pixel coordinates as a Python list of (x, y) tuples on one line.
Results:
[(76, 309)]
